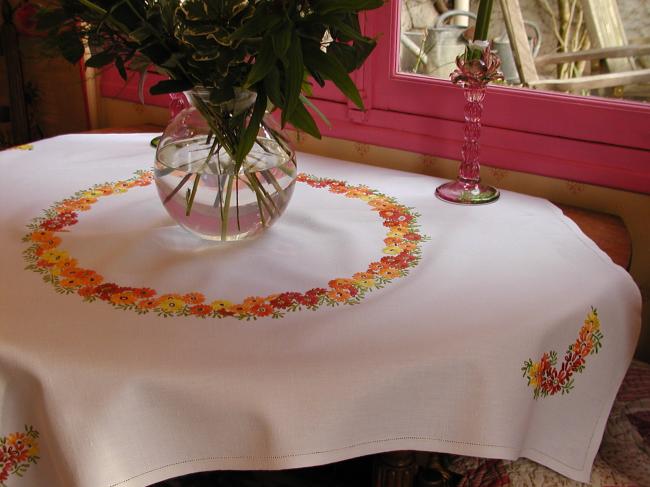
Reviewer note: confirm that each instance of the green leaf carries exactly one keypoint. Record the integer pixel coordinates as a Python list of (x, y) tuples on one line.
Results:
[(170, 86), (119, 64), (250, 134), (345, 6), (272, 87), (257, 25), (70, 46), (264, 61), (302, 120), (308, 102), (294, 76), (330, 68), (282, 39), (100, 59), (222, 95)]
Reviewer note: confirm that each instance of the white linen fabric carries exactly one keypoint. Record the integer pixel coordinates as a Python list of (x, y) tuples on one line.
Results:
[(432, 361)]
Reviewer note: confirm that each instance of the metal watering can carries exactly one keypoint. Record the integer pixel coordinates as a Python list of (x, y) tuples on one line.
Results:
[(436, 51), (503, 48)]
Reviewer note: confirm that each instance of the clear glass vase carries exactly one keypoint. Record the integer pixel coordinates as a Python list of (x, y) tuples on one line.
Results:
[(203, 188), (473, 73)]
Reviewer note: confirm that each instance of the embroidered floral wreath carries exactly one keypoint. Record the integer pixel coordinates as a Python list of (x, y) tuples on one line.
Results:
[(44, 255)]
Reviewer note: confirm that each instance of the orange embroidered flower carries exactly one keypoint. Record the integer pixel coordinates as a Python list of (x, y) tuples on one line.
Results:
[(362, 275), (355, 193), (252, 301), (145, 304), (50, 244), (91, 278), (194, 298), (67, 264), (144, 292), (41, 236), (381, 204), (125, 298), (238, 309), (392, 241), (336, 283), (407, 246), (263, 309), (86, 292), (105, 190), (390, 273), (70, 282), (340, 294), (200, 310)]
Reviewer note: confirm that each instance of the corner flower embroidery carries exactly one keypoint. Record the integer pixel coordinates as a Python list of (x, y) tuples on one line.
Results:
[(401, 250), (17, 452), (546, 379)]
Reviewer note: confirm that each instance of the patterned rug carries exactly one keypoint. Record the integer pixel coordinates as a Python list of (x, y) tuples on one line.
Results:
[(622, 461)]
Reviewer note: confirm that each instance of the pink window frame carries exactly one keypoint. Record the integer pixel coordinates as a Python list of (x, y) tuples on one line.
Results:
[(591, 140)]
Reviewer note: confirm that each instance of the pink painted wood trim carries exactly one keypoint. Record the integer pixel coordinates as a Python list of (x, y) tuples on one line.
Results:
[(593, 163), (595, 119)]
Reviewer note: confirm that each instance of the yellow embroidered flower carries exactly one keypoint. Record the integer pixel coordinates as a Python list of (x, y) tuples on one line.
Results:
[(534, 375), (171, 304), (396, 232), (592, 322), (366, 283), (392, 250), (220, 304), (93, 193), (54, 256)]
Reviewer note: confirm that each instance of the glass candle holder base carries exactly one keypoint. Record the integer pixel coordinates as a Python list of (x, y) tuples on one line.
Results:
[(467, 193)]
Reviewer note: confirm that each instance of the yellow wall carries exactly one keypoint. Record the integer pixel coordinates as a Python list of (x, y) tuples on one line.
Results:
[(633, 208)]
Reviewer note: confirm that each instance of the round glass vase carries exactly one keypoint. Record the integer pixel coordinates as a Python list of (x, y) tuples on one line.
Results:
[(198, 180)]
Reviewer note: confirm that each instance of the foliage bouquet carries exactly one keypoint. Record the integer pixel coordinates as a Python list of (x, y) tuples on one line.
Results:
[(238, 58)]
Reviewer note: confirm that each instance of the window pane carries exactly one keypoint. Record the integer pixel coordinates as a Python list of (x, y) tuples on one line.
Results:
[(604, 44)]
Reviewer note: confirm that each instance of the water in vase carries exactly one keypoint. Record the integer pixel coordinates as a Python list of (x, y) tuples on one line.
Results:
[(201, 193)]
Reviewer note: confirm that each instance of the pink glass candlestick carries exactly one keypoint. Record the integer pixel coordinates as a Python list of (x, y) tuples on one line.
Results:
[(473, 75)]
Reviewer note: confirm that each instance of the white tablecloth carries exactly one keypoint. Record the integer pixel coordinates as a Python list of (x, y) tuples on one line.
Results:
[(120, 392)]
